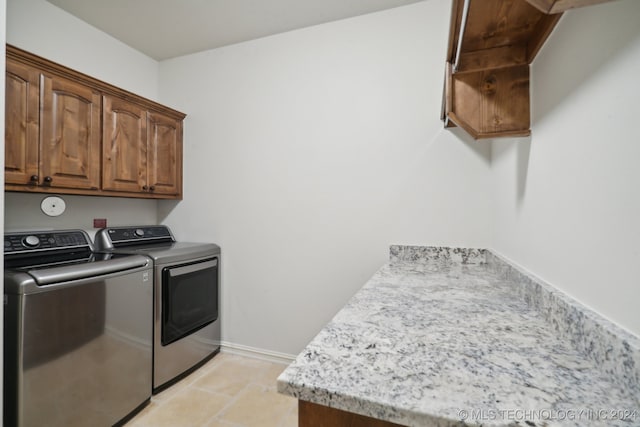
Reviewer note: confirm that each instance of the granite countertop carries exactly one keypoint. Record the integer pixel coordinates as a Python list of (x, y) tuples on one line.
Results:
[(459, 337)]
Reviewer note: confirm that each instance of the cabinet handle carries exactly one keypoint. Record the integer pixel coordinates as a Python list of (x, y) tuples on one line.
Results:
[(48, 179), (145, 188), (152, 188), (34, 178)]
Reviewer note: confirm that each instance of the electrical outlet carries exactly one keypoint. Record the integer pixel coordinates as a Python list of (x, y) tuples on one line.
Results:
[(99, 222)]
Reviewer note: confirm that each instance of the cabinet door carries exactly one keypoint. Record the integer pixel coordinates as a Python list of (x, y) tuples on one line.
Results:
[(124, 155), (164, 154), (69, 134), (21, 124)]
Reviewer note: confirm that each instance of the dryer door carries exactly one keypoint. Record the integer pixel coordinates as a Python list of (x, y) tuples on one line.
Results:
[(189, 298)]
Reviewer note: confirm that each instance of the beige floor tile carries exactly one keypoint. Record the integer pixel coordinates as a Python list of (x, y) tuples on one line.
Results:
[(291, 418), (258, 407), (135, 421), (219, 423), (188, 380), (220, 357), (215, 361), (271, 374), (168, 393), (232, 374), (228, 391), (190, 408)]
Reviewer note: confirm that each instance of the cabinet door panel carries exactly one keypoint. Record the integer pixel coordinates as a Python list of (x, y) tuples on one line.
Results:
[(70, 134), (165, 154), (21, 124), (124, 157)]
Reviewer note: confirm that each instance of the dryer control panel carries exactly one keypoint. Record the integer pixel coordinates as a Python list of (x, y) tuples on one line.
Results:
[(117, 237)]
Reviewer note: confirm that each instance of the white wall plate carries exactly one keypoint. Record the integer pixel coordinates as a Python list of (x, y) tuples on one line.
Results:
[(53, 206)]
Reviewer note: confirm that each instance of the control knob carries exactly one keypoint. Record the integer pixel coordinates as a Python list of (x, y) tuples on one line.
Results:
[(139, 232), (30, 241)]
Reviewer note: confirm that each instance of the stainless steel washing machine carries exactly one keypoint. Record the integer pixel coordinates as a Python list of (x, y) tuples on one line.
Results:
[(186, 321), (77, 331)]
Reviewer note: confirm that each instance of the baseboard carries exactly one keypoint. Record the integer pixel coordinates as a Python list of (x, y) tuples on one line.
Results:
[(256, 353)]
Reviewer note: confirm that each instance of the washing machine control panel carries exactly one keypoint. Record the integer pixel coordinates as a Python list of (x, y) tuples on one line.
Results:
[(44, 241)]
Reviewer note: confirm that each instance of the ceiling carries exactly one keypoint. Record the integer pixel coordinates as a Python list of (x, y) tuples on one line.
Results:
[(165, 29)]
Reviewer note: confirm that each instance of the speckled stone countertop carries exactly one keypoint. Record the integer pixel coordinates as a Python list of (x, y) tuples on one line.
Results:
[(452, 337)]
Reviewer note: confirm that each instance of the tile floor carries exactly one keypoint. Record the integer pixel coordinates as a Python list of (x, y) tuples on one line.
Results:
[(229, 391)]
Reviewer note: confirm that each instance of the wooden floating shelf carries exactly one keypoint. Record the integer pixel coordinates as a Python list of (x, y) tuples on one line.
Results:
[(487, 74), (557, 6)]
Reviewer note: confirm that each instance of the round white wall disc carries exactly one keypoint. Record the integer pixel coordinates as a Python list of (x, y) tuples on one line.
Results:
[(53, 206)]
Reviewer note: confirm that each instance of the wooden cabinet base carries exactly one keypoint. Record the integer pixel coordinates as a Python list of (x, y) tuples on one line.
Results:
[(314, 415), (80, 192)]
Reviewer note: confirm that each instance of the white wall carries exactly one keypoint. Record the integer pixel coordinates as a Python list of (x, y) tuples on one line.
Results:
[(567, 202), (308, 153), (46, 30), (41, 28), (22, 212)]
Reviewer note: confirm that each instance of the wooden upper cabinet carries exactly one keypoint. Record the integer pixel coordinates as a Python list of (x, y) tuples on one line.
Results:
[(70, 134), (142, 150), (124, 146), (164, 154), (21, 127), (52, 131)]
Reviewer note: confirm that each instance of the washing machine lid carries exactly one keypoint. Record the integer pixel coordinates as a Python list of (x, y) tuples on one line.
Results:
[(173, 253), (39, 259)]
